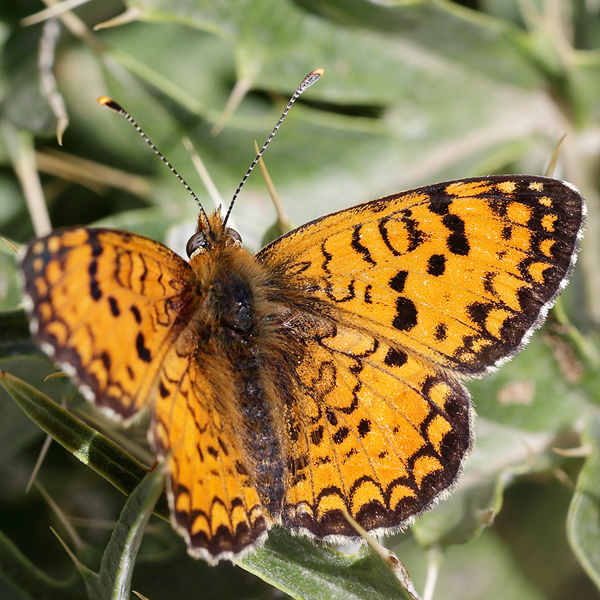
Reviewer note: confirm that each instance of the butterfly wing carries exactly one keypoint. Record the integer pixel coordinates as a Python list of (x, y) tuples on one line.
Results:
[(410, 291), (459, 272), (375, 432), (112, 308), (214, 502), (106, 305)]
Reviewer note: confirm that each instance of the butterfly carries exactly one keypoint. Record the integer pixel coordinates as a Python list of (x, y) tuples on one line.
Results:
[(321, 376)]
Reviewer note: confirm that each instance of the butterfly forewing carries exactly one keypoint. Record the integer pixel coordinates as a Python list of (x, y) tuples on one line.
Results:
[(106, 306), (459, 272)]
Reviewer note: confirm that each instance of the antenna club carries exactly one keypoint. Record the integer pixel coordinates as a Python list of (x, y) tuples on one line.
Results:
[(314, 75), (110, 104), (311, 78)]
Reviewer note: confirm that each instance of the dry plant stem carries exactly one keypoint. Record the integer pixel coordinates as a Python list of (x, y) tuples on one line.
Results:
[(10, 245), (211, 188), (282, 217), (48, 41), (77, 541), (434, 560), (20, 145), (552, 164), (38, 462), (129, 16), (72, 556), (240, 89), (307, 82), (392, 561), (54, 10), (77, 27), (89, 173), (582, 451)]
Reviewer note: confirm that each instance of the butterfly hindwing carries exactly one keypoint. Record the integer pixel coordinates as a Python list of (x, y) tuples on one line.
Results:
[(381, 435), (214, 502)]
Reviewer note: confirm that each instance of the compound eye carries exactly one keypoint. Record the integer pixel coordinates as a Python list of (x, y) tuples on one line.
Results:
[(197, 242), (234, 235)]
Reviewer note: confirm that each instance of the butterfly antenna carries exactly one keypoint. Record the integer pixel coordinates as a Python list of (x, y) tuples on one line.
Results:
[(311, 78), (116, 107)]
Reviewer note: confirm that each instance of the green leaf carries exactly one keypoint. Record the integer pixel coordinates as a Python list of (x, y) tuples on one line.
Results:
[(309, 571), (15, 339), (19, 578), (414, 91), (530, 392), (445, 30), (118, 561), (583, 523), (89, 446), (381, 129)]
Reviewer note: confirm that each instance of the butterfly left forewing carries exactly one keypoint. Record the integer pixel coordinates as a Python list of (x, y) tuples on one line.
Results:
[(461, 272)]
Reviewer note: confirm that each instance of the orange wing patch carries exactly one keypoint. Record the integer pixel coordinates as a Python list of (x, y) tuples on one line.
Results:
[(105, 305), (375, 431), (214, 501)]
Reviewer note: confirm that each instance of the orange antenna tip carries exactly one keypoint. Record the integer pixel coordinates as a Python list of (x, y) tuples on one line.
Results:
[(110, 104), (316, 73)]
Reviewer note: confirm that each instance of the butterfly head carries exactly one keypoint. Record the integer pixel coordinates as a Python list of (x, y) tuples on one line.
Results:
[(211, 234)]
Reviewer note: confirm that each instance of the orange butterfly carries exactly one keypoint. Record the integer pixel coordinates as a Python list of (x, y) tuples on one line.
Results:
[(321, 375)]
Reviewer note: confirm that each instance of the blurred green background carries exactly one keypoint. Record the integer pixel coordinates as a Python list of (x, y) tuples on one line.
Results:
[(414, 92)]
